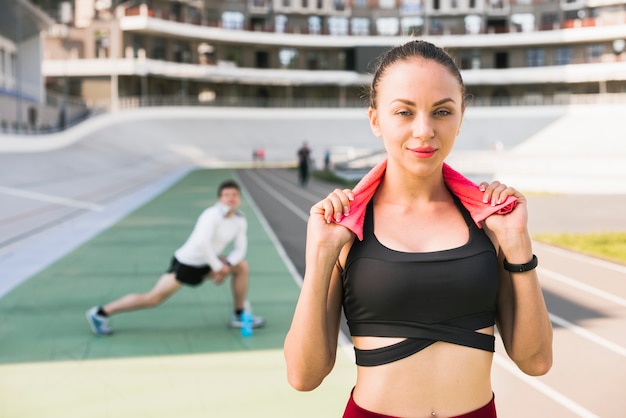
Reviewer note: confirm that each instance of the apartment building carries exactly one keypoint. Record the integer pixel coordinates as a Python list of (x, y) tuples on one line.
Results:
[(321, 52), (22, 92)]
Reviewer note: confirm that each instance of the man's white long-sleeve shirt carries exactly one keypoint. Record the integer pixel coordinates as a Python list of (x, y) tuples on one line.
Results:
[(210, 236)]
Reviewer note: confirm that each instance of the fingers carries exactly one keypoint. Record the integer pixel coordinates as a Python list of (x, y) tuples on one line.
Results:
[(496, 192), (335, 206)]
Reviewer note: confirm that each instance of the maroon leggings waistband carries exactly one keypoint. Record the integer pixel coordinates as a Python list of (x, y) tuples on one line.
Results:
[(355, 411)]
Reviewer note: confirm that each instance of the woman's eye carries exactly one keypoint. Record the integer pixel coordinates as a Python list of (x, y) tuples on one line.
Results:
[(403, 113), (443, 112)]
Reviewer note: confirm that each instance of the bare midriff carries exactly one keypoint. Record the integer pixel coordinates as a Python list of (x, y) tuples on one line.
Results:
[(442, 379)]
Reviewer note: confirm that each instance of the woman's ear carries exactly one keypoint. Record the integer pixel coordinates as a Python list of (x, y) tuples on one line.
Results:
[(373, 117)]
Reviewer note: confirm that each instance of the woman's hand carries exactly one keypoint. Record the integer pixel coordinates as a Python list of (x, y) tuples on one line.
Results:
[(511, 229), (321, 226)]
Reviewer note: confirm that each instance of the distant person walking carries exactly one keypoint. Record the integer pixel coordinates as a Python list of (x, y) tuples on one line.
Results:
[(327, 160), (198, 259), (304, 160)]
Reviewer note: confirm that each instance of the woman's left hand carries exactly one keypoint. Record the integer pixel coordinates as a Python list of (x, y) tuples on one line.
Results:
[(513, 225)]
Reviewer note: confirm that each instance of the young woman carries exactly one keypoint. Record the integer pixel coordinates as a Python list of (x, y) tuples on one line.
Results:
[(422, 279)]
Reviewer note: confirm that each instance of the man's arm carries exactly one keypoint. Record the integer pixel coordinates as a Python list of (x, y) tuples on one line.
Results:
[(207, 224), (240, 245)]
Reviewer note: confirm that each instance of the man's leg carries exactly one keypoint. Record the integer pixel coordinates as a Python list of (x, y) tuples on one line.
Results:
[(97, 316), (165, 287), (239, 284)]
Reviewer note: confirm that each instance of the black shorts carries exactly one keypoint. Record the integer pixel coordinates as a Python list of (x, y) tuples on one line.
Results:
[(189, 275)]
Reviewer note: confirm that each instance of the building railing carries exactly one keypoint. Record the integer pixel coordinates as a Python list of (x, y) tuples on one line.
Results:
[(196, 19), (134, 102)]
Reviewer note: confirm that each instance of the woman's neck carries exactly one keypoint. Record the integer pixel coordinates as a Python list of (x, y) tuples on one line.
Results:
[(402, 187)]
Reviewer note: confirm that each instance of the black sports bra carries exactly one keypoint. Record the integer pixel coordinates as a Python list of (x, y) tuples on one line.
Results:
[(423, 297)]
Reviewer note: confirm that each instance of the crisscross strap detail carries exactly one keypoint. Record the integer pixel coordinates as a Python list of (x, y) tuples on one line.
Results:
[(418, 336)]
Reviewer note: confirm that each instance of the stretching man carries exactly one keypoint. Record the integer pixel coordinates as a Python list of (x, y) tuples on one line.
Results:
[(197, 260)]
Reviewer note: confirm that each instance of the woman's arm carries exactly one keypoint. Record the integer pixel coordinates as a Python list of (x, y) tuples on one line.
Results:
[(311, 343), (523, 319)]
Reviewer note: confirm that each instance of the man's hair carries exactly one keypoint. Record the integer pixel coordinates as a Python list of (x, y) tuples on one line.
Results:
[(227, 184)]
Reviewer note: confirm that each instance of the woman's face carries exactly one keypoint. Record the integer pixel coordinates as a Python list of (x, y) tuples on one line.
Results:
[(419, 109)]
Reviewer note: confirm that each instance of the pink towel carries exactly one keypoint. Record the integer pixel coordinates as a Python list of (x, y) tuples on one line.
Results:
[(466, 190)]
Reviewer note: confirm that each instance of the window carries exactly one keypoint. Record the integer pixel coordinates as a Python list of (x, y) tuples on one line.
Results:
[(524, 21), (158, 49), (412, 25), (339, 5), (535, 57), (473, 24), (387, 4), (338, 25), (315, 25), (280, 22), (232, 20), (563, 56), (465, 61), (288, 57), (233, 54), (387, 26), (412, 6), (317, 60), (594, 52), (360, 3), (181, 52), (360, 26), (138, 43), (501, 59), (436, 5)]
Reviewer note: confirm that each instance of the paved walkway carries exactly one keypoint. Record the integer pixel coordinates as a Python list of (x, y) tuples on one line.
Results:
[(180, 359)]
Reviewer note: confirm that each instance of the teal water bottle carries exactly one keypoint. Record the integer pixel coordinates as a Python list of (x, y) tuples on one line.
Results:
[(246, 322)]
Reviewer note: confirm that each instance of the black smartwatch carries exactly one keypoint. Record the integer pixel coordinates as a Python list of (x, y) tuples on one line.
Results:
[(521, 268)]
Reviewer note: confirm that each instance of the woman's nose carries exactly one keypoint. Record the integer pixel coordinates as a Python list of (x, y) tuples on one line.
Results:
[(422, 126)]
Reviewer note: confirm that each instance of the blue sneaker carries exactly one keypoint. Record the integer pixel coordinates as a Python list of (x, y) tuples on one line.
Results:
[(98, 323)]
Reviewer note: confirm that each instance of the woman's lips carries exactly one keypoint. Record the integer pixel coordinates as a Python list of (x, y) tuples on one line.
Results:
[(424, 152)]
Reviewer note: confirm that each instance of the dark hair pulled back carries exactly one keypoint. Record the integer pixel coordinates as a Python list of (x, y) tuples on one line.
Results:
[(409, 50)]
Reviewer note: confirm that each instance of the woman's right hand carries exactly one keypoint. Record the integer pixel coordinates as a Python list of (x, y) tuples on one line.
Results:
[(321, 228)]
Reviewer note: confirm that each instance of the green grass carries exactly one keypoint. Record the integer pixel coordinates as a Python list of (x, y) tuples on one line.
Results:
[(607, 245)]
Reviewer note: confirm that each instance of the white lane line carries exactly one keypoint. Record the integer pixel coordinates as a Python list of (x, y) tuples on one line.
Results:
[(296, 189), (51, 199), (268, 229), (610, 297), (344, 342), (582, 257), (276, 195), (588, 335), (543, 388)]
